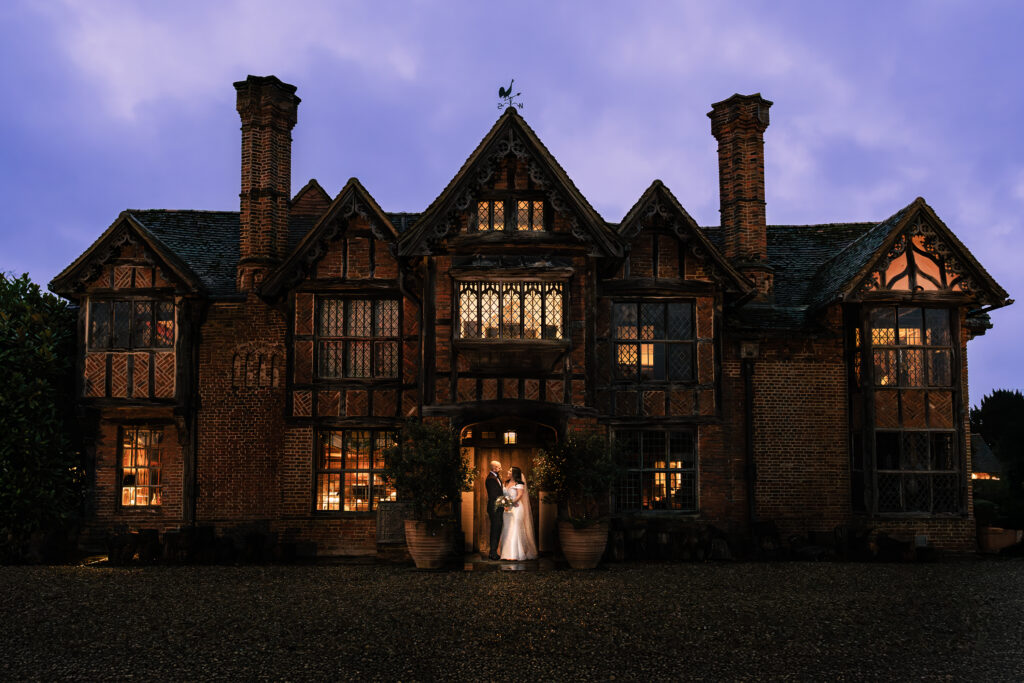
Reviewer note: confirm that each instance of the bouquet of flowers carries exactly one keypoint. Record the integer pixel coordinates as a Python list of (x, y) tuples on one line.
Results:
[(503, 502)]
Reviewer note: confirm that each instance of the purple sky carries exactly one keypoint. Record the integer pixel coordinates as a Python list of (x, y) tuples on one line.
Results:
[(114, 105)]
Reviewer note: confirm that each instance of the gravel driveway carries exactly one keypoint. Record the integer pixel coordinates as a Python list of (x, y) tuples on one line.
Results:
[(957, 620)]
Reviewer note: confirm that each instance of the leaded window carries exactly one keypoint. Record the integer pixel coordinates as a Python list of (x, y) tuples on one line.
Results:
[(130, 324), (349, 465), (654, 341), (523, 215), (659, 471), (511, 310), (490, 215), (909, 461), (140, 466), (357, 338)]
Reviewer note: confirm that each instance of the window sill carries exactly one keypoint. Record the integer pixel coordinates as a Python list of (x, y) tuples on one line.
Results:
[(343, 514), (899, 516), (656, 514)]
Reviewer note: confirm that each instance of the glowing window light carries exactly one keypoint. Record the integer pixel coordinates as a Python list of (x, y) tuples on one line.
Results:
[(510, 438)]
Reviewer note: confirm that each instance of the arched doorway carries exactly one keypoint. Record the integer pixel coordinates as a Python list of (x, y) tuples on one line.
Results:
[(512, 442)]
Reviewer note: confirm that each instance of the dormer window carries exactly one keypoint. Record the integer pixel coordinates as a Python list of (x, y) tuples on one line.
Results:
[(521, 215)]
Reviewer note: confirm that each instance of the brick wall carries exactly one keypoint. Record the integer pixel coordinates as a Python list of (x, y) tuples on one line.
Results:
[(108, 513), (240, 427)]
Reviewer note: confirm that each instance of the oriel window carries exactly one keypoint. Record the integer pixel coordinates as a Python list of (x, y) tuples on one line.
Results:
[(511, 310)]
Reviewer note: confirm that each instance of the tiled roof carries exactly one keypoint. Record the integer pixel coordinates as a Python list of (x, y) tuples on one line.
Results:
[(403, 220), (799, 253), (804, 259), (207, 241), (838, 270), (811, 263), (298, 226), (982, 457)]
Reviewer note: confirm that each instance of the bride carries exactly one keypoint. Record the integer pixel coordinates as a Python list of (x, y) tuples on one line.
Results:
[(517, 540)]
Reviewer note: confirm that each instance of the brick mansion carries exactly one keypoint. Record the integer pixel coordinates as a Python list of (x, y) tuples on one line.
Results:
[(250, 367)]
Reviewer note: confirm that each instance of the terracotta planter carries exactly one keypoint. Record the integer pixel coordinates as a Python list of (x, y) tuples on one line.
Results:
[(429, 545), (992, 539), (583, 548)]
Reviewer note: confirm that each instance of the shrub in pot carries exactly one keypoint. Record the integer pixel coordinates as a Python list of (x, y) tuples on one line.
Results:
[(429, 474), (577, 474)]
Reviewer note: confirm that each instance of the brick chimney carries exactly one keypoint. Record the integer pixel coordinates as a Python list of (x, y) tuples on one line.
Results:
[(268, 110), (738, 124)]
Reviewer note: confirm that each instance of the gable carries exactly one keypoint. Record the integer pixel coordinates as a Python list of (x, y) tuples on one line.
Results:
[(510, 141), (311, 200), (128, 255), (912, 253), (665, 242), (318, 254)]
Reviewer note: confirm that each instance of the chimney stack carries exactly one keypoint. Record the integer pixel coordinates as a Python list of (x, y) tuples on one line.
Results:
[(267, 108), (738, 124)]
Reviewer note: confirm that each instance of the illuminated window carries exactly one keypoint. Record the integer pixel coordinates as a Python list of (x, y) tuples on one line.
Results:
[(357, 338), (140, 466), (905, 433), (490, 215), (131, 324), (348, 469), (916, 265), (654, 341), (488, 436), (523, 215), (911, 347), (511, 310), (659, 471), (529, 215), (510, 438)]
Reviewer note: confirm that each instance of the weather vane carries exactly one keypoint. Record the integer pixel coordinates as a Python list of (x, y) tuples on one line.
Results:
[(507, 95)]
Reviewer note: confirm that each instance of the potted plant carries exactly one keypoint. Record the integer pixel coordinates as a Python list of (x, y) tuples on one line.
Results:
[(577, 474), (429, 474)]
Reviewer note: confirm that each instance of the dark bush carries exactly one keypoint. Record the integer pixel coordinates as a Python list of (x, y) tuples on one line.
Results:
[(40, 465)]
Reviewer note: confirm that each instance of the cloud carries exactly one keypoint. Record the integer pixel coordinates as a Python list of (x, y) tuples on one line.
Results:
[(140, 53)]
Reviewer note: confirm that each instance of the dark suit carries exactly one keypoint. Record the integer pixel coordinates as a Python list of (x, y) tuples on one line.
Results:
[(497, 514)]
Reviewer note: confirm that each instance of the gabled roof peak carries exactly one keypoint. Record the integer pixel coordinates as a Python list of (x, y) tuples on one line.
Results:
[(510, 134)]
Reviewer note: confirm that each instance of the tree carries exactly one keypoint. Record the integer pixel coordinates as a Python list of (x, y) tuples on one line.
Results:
[(427, 468), (1000, 421), (40, 467)]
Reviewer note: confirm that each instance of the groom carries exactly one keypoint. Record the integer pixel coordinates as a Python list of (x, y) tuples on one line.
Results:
[(497, 515)]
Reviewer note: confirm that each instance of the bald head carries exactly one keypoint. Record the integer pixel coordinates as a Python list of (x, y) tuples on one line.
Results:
[(495, 466)]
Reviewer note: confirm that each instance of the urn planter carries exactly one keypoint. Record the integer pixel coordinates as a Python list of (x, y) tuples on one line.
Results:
[(583, 547), (429, 544)]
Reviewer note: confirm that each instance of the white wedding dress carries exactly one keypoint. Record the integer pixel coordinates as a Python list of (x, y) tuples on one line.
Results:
[(517, 539)]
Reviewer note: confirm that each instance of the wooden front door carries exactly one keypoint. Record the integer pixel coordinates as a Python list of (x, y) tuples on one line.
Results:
[(508, 456)]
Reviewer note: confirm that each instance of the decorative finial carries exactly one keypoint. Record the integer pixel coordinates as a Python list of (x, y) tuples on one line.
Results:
[(509, 97)]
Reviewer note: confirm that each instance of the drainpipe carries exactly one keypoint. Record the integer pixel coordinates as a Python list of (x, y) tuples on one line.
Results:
[(749, 352)]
